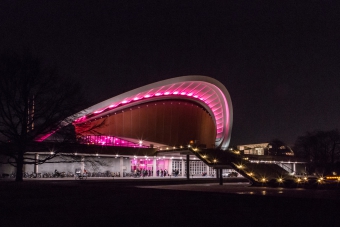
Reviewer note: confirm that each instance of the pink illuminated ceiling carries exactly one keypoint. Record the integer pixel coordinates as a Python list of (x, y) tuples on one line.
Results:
[(206, 91)]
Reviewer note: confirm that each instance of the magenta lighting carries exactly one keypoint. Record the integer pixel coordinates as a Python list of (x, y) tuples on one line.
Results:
[(206, 91), (109, 141)]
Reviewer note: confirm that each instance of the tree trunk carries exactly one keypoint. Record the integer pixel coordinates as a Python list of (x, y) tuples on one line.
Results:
[(20, 165)]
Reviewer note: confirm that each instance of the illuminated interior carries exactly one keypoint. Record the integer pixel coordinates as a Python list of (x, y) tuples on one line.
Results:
[(161, 123), (109, 141)]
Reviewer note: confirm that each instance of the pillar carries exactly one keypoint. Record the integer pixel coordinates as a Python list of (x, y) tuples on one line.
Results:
[(294, 167), (154, 167), (207, 170), (82, 163), (121, 171), (36, 169), (188, 167), (220, 176), (170, 166), (183, 168)]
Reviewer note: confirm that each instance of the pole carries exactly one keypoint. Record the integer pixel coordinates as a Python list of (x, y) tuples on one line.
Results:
[(188, 173), (221, 177)]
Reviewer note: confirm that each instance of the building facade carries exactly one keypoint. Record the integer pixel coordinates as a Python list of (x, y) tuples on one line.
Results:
[(167, 115)]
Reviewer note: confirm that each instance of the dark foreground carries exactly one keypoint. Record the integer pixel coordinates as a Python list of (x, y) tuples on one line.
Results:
[(121, 203)]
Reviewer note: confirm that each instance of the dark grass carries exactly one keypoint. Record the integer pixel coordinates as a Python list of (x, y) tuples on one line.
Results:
[(113, 203)]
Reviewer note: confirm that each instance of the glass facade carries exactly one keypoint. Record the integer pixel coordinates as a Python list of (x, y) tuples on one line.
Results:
[(109, 141)]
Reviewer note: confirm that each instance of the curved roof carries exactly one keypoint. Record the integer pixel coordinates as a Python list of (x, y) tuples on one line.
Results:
[(206, 91)]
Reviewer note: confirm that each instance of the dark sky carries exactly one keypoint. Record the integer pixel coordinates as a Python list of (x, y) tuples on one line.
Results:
[(280, 60)]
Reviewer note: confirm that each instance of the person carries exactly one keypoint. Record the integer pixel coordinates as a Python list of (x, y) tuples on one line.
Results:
[(56, 173)]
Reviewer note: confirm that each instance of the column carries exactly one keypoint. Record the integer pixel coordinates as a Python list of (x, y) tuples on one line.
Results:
[(220, 175), (170, 166), (294, 167), (154, 167), (207, 170), (121, 171), (36, 170), (188, 167), (183, 167), (82, 163)]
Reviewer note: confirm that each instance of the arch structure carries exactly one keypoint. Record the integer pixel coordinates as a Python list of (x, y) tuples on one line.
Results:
[(205, 91)]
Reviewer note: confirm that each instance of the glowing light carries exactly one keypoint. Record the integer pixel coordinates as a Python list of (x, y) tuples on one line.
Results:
[(158, 94), (167, 93), (183, 93), (108, 141), (175, 93), (136, 98), (147, 96)]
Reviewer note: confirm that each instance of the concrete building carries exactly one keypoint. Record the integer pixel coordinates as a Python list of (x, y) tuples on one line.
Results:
[(137, 130)]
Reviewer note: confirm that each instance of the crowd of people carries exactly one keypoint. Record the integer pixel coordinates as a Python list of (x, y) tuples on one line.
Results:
[(159, 173), (162, 173)]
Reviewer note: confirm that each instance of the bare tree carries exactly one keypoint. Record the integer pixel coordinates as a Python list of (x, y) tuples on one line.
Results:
[(34, 102), (319, 147)]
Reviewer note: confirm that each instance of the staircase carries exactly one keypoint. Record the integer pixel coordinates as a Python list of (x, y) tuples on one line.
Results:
[(256, 173)]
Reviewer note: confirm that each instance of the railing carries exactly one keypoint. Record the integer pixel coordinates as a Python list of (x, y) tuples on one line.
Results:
[(285, 167)]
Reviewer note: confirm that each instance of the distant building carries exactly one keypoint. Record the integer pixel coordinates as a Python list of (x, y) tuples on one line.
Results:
[(265, 149)]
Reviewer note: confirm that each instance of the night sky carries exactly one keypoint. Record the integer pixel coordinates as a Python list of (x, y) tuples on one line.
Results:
[(280, 61)]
